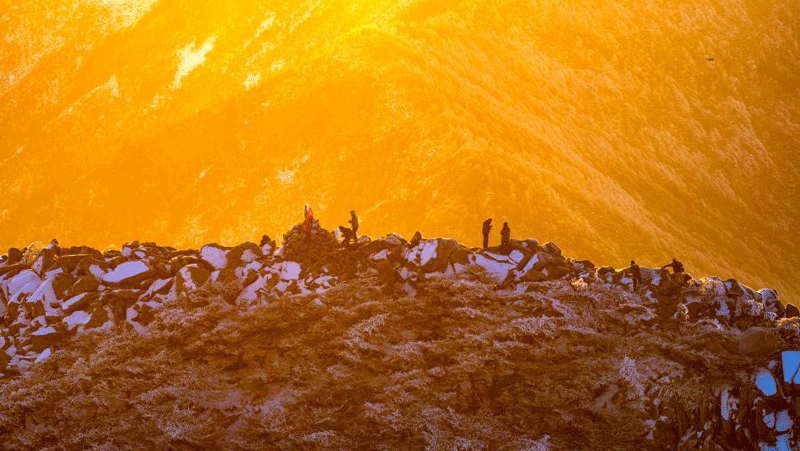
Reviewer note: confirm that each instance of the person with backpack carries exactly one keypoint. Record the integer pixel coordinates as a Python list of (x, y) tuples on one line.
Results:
[(677, 270)]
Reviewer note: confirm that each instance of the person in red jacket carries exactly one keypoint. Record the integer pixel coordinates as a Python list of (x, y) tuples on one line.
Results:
[(308, 223)]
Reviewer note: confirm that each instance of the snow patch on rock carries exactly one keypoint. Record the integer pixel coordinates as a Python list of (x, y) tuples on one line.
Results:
[(125, 271)]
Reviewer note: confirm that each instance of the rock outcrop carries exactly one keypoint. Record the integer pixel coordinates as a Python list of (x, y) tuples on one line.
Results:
[(56, 293)]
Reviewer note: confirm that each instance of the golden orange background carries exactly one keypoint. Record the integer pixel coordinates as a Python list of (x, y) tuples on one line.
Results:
[(601, 126)]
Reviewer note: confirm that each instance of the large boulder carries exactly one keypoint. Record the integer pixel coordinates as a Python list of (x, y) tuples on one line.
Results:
[(768, 296), (190, 278), (436, 254), (225, 276), (243, 254), (69, 262), (496, 266), (84, 284), (118, 302), (128, 273), (92, 265), (43, 261), (99, 316), (162, 270), (533, 275), (79, 302), (14, 255), (734, 288), (537, 261), (12, 270), (82, 250), (375, 246), (552, 249), (62, 284), (215, 255), (24, 282), (44, 338), (557, 271)]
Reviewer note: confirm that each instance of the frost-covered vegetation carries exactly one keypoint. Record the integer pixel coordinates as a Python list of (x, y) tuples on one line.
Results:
[(458, 367)]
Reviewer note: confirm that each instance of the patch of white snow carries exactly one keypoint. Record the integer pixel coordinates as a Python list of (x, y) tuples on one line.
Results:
[(125, 271), (190, 58), (77, 318), (218, 258), (43, 356)]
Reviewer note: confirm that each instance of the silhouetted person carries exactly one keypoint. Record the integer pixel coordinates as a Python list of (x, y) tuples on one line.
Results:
[(354, 224), (416, 239), (505, 235), (308, 222), (636, 274), (347, 234), (487, 227), (677, 270)]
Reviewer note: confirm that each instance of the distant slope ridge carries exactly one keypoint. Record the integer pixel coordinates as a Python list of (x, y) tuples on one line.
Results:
[(601, 125)]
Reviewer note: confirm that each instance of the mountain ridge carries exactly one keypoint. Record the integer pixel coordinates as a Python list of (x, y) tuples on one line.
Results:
[(385, 342), (602, 127)]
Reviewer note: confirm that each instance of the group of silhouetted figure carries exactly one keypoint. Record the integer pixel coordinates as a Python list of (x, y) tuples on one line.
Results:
[(677, 273), (350, 236), (505, 234)]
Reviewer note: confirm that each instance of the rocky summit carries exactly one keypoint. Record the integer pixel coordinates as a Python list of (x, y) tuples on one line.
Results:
[(385, 344)]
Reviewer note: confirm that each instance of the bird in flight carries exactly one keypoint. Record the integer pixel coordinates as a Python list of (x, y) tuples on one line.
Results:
[(709, 58)]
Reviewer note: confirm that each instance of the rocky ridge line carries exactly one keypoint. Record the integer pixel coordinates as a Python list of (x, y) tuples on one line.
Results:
[(50, 294)]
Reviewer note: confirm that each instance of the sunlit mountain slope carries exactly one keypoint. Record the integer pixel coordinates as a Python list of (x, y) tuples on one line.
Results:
[(600, 125)]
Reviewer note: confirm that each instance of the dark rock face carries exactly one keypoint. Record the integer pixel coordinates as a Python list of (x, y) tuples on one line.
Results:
[(43, 261), (244, 253), (62, 283), (191, 277), (552, 249), (14, 256), (44, 338)]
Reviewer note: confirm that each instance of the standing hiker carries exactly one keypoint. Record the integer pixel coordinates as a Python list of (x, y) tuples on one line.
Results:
[(308, 222), (677, 270), (347, 234), (505, 235), (354, 225), (487, 227), (636, 273)]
